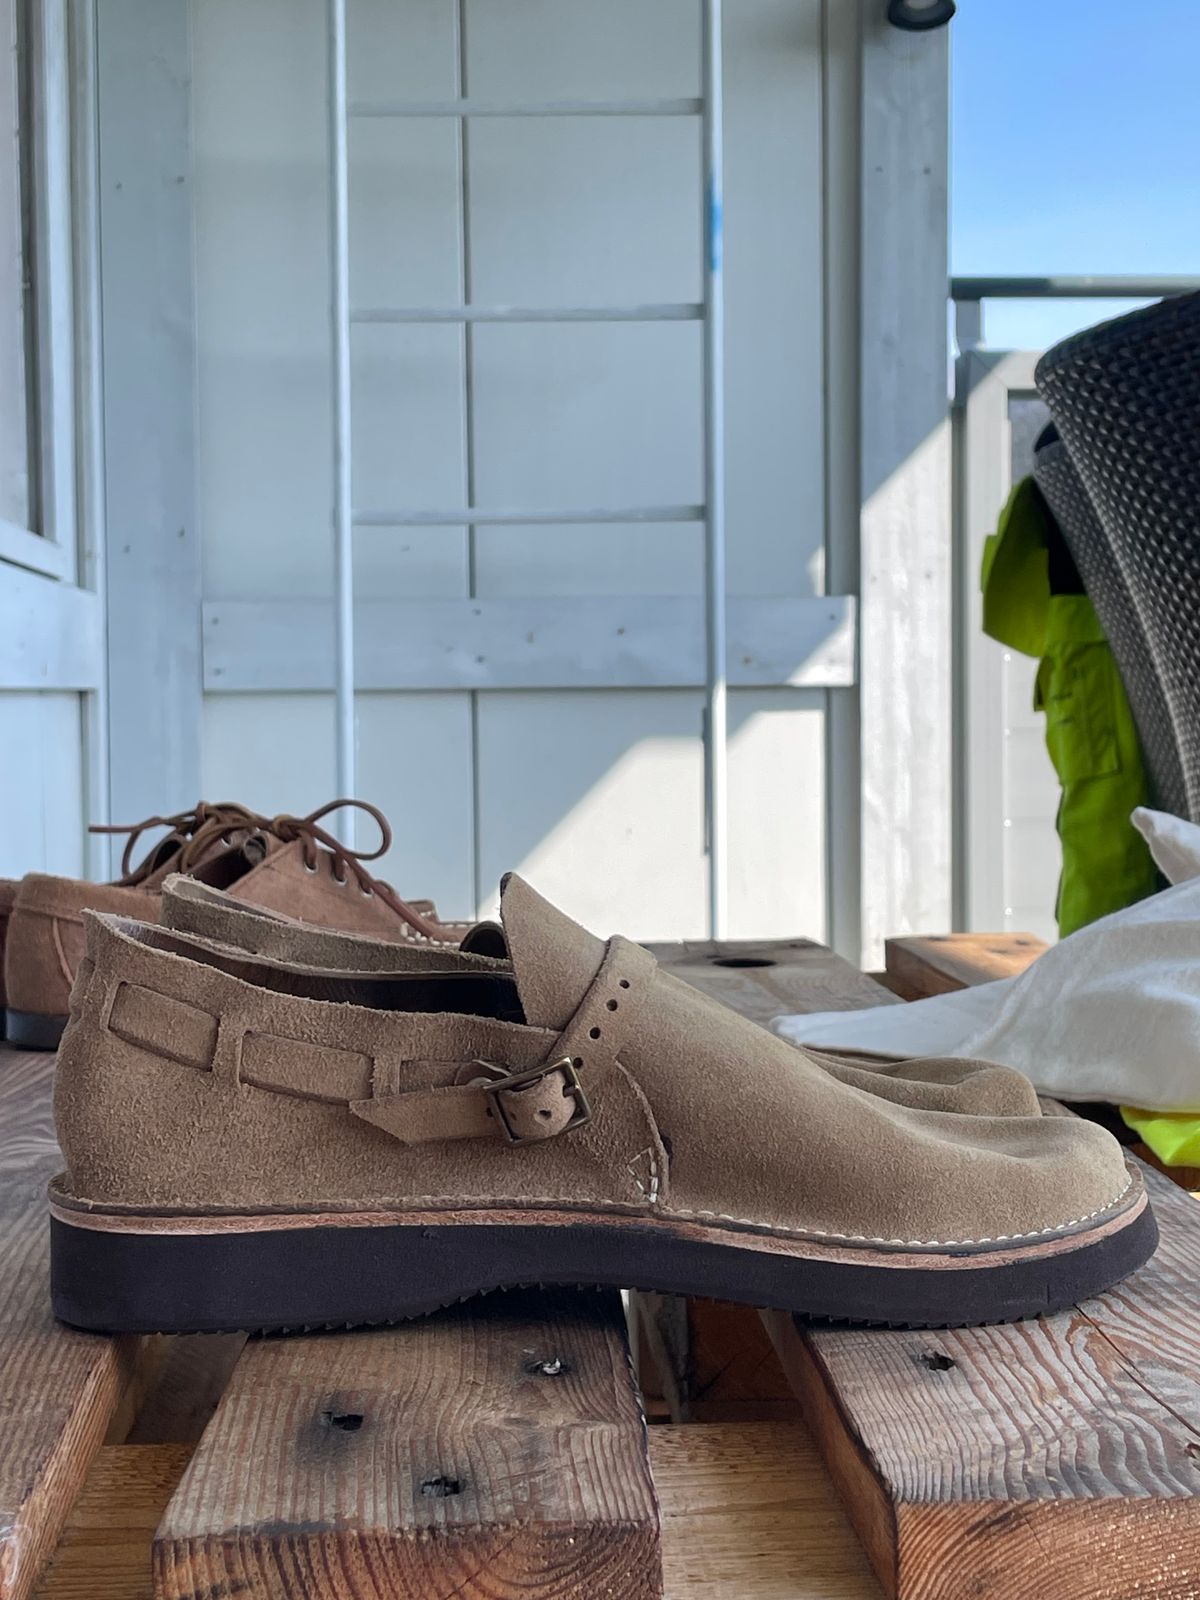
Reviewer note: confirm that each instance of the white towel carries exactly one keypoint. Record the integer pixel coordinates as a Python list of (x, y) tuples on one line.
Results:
[(1110, 1013)]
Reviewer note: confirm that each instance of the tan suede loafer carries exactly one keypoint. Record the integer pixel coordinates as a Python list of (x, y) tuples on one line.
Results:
[(195, 908), (288, 864), (251, 1146)]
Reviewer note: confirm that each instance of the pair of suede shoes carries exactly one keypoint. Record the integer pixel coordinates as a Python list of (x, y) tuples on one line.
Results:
[(267, 1125), (291, 864)]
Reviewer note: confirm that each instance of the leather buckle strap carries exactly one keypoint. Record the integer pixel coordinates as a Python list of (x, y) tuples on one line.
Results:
[(488, 1101), (499, 1091)]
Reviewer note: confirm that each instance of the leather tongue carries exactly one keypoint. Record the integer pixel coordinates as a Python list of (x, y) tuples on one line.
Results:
[(554, 960)]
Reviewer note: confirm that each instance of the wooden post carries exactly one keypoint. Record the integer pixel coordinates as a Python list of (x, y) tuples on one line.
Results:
[(495, 1450), (58, 1389), (1056, 1457), (937, 963)]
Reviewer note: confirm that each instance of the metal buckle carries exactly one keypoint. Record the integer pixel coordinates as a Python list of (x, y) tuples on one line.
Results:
[(494, 1087)]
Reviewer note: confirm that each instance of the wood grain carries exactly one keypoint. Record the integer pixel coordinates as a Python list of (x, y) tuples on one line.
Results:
[(763, 980), (938, 963), (1059, 1457), (748, 1513), (59, 1389), (190, 1379), (104, 1553), (494, 1450)]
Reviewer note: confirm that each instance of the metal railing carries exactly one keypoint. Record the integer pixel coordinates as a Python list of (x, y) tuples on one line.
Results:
[(968, 294)]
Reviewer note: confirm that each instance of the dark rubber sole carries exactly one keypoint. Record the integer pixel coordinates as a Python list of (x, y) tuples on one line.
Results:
[(27, 1030), (265, 1279)]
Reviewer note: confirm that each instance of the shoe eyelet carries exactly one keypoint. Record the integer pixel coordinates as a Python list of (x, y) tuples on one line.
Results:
[(368, 894), (311, 870), (624, 983), (612, 1005), (594, 1033)]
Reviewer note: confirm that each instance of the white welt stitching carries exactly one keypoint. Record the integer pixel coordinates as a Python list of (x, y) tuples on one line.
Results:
[(493, 1202), (863, 1238)]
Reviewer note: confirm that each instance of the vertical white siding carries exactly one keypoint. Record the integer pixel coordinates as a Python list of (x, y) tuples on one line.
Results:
[(598, 794)]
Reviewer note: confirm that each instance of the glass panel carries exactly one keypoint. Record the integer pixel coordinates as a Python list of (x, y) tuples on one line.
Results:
[(16, 310), (1027, 416)]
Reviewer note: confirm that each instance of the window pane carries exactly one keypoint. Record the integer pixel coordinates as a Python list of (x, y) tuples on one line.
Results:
[(15, 310)]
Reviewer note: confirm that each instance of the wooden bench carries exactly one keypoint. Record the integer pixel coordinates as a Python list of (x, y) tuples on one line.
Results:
[(499, 1450)]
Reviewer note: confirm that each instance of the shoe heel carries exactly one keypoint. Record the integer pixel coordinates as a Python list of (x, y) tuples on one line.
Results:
[(28, 1030)]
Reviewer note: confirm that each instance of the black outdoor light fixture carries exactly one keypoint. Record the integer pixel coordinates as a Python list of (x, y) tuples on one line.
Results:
[(915, 16)]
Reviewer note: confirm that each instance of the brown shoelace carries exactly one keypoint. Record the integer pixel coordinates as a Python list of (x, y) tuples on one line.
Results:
[(193, 833)]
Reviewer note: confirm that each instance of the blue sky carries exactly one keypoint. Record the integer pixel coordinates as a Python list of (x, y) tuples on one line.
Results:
[(1075, 148)]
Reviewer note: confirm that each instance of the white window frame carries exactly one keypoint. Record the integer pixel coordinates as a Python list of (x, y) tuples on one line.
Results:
[(51, 546)]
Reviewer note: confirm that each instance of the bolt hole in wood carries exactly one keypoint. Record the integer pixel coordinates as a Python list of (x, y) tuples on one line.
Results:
[(441, 1488), (344, 1421), (936, 1361), (742, 961)]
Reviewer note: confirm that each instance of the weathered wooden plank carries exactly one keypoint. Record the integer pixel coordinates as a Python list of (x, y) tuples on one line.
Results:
[(104, 1553), (763, 980), (747, 1510), (497, 1449), (58, 1389), (749, 1514), (937, 963), (1059, 1457), (192, 1376)]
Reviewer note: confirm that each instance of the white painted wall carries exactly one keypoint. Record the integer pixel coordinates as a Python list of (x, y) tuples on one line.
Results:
[(597, 795), (41, 783)]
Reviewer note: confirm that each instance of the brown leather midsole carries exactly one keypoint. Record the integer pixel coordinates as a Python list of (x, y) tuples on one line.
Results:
[(77, 1213)]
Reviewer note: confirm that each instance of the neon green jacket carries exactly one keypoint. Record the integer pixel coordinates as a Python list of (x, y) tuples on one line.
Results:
[(1090, 731), (1093, 744)]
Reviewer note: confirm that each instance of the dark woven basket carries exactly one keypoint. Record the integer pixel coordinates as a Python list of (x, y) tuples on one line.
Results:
[(1126, 399), (1059, 482)]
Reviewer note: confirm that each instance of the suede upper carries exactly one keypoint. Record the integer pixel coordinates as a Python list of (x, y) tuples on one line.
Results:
[(189, 906), (198, 1078)]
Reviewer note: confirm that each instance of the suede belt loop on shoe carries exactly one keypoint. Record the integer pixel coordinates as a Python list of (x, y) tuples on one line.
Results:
[(226, 1065)]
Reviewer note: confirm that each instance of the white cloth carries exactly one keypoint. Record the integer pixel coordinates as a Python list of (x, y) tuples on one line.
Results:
[(1174, 843), (1110, 1013)]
